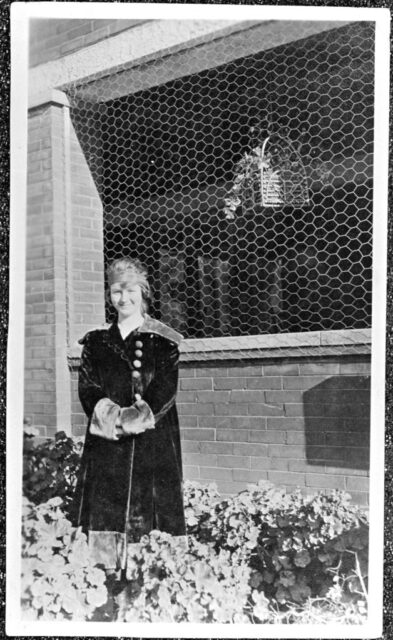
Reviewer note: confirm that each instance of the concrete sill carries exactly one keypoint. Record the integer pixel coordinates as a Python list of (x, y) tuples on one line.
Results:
[(284, 345), (314, 343)]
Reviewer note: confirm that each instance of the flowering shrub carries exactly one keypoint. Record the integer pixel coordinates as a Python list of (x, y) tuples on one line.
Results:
[(290, 542), (172, 582), (58, 579), (50, 468), (263, 555), (199, 500)]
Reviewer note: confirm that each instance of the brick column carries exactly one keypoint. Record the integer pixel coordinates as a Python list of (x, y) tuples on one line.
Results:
[(64, 255)]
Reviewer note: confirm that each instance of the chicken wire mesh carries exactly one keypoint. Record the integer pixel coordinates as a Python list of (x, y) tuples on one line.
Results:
[(175, 148)]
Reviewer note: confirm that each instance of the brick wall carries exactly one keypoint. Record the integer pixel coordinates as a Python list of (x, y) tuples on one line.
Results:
[(40, 380), (64, 275), (51, 39), (295, 422)]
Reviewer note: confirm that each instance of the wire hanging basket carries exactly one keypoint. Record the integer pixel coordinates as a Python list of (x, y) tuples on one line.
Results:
[(283, 177)]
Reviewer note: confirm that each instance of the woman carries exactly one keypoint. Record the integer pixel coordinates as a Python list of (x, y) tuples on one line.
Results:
[(131, 471)]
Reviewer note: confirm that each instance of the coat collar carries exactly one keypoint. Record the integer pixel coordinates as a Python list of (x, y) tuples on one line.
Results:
[(150, 325)]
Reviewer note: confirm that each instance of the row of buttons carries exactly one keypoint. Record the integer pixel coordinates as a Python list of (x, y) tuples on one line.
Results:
[(137, 363)]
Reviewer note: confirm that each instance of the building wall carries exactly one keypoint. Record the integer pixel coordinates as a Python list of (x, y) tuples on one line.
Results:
[(40, 381), (296, 422), (64, 263), (51, 39)]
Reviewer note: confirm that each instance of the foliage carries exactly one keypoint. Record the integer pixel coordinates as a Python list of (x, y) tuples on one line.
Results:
[(295, 546), (245, 170), (172, 581), (198, 500), (264, 555), (59, 581), (50, 468)]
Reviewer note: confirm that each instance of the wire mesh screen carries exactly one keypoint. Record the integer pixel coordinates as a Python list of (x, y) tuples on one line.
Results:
[(173, 146)]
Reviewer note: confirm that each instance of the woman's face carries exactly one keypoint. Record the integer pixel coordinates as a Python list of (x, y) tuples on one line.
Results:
[(126, 297)]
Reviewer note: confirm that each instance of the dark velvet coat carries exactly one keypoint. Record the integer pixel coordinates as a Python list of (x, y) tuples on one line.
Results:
[(130, 486)]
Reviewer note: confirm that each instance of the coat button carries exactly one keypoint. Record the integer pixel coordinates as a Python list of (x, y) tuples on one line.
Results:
[(137, 364), (138, 353), (139, 344), (136, 375)]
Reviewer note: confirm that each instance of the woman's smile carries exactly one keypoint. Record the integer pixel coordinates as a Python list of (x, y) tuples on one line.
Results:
[(126, 298)]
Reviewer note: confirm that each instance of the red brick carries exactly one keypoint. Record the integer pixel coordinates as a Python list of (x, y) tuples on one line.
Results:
[(205, 460), (330, 467), (245, 449), (285, 423), (277, 464), (39, 396), (188, 421), (193, 408), (198, 434), (196, 383), (286, 478), (212, 422), (233, 409), (212, 396), (281, 369), (246, 475), (246, 370), (234, 462), (360, 498), (301, 382), (336, 410), (336, 439), (323, 424), (191, 472), (265, 410), (303, 465), (190, 446), (283, 396), (296, 437), (285, 451), (357, 484), (229, 383), (325, 481), (211, 372), (186, 373), (213, 473), (186, 396), (247, 396), (355, 368), (264, 383), (267, 437), (357, 424), (230, 488), (294, 410), (231, 435), (217, 447), (244, 422), (319, 368)]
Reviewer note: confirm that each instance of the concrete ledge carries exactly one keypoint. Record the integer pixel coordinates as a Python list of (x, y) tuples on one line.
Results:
[(284, 345), (49, 96)]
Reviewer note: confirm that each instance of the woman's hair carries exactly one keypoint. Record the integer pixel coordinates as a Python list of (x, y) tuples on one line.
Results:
[(136, 270)]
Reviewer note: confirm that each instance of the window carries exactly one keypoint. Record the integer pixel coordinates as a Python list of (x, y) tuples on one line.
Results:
[(164, 160)]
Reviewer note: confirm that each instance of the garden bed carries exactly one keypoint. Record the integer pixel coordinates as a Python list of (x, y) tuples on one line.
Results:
[(262, 556)]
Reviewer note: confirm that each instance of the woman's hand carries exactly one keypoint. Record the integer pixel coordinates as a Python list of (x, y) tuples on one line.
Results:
[(119, 428), (137, 418)]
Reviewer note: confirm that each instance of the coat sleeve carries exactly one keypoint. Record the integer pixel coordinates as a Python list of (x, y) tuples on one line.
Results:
[(101, 411), (160, 395)]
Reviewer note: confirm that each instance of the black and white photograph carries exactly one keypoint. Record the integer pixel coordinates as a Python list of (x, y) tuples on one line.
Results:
[(196, 356)]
